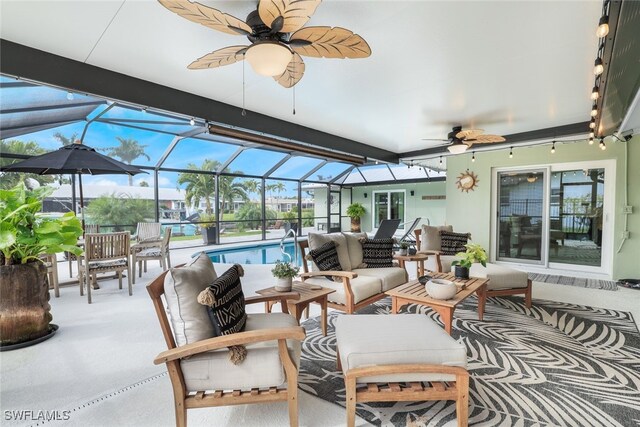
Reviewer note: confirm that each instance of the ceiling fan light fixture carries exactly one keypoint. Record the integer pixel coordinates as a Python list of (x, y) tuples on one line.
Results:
[(457, 147), (269, 58)]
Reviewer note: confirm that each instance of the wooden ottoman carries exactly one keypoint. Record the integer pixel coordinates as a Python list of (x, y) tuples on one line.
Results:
[(403, 357), (502, 281)]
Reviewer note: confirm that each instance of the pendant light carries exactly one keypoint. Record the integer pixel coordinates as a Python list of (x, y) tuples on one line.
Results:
[(458, 147), (269, 58)]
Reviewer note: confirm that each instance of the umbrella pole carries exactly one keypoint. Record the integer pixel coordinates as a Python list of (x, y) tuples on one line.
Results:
[(81, 201)]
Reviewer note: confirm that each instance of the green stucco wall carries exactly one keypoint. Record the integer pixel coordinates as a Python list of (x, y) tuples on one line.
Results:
[(471, 211)]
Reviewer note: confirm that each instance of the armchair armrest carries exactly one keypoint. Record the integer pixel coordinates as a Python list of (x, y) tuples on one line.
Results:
[(347, 274), (284, 296), (294, 333)]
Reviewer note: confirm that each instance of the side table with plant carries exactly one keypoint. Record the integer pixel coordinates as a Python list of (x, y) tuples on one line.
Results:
[(355, 211), (474, 253), (25, 236), (284, 273)]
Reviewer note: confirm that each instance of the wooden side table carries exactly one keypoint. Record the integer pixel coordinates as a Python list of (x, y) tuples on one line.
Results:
[(307, 296), (418, 258)]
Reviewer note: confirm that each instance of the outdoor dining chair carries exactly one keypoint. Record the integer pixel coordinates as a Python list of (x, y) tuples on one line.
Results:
[(150, 251), (104, 253), (147, 231)]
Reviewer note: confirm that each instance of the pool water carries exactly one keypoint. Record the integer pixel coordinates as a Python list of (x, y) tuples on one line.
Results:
[(258, 254)]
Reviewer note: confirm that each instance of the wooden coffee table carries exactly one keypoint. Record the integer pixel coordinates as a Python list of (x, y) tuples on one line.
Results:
[(307, 296), (418, 258), (415, 292)]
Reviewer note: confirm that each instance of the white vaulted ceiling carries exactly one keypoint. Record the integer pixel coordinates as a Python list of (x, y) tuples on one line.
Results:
[(504, 66)]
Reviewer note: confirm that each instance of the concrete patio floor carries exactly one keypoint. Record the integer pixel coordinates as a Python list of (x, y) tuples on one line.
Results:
[(99, 364)]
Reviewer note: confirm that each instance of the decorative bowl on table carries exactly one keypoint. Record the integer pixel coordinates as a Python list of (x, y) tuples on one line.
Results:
[(424, 279), (441, 289)]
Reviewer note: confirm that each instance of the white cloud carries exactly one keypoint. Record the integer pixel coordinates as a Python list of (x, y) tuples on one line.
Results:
[(105, 182), (162, 181)]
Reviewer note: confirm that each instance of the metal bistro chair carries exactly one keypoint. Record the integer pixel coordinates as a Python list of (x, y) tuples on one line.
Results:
[(103, 253), (150, 251)]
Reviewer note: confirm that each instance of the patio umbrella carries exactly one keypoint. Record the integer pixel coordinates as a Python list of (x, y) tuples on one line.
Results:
[(77, 159)]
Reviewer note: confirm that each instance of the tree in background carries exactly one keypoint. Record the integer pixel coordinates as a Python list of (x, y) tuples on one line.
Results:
[(128, 150), (278, 187), (64, 140), (252, 213), (199, 186), (143, 184), (10, 179), (231, 189), (120, 210)]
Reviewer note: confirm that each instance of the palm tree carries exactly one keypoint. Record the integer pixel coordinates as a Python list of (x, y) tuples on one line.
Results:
[(64, 140), (278, 187), (14, 146), (199, 186), (229, 190), (127, 151)]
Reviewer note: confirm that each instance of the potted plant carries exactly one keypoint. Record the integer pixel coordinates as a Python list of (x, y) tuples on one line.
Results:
[(284, 273), (24, 236), (474, 253), (355, 211), (209, 230), (404, 247)]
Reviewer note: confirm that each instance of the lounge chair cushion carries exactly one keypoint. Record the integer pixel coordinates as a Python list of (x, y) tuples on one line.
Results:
[(362, 287), (189, 319), (500, 277), (367, 340), (261, 368), (316, 240), (431, 237), (354, 246), (389, 277)]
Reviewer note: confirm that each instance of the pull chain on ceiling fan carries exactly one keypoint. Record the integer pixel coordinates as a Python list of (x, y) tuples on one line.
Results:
[(276, 35)]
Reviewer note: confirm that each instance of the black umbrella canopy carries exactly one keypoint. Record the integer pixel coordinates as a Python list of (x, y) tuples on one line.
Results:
[(73, 159)]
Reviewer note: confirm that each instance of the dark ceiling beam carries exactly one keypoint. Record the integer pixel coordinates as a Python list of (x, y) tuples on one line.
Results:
[(33, 64), (540, 134)]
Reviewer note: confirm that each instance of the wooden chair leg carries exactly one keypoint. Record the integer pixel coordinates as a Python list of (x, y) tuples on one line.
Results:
[(140, 269), (120, 279), (351, 401), (527, 294), (462, 401), (145, 266), (482, 301), (133, 268), (169, 259), (129, 281), (88, 279), (181, 414)]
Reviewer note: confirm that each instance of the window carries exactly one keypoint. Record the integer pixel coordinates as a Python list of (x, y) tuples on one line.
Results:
[(388, 205)]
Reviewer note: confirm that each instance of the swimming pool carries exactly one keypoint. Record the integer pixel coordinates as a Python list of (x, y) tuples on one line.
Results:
[(255, 254)]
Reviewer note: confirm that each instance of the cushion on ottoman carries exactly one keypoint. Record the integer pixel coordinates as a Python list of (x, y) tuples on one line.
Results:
[(366, 340), (500, 277)]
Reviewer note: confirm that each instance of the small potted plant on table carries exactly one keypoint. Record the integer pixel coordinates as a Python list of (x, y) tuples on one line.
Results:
[(284, 273), (355, 211), (404, 249), (474, 253)]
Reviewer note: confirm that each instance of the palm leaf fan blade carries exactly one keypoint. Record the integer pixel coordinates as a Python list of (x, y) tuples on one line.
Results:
[(293, 73), (295, 13), (219, 58), (207, 16), (328, 42)]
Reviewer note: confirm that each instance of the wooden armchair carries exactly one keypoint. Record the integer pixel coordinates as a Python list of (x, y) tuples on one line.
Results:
[(150, 251), (147, 231), (184, 398), (441, 263), (103, 253)]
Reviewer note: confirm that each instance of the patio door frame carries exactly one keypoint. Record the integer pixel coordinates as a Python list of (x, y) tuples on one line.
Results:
[(374, 226), (605, 270)]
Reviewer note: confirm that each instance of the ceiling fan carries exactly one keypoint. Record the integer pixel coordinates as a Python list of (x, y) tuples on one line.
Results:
[(276, 35), (460, 139)]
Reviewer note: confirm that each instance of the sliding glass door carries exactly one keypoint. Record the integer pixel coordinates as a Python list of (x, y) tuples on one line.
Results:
[(521, 218), (556, 216)]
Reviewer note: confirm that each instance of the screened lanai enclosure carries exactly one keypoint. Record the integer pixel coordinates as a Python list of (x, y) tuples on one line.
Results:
[(196, 181)]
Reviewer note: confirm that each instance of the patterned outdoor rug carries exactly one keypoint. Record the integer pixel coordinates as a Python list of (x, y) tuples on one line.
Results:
[(555, 364), (607, 285)]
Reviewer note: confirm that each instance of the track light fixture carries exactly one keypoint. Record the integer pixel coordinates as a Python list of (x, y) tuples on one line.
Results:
[(603, 27), (592, 124), (594, 110), (553, 147), (473, 157), (511, 152), (598, 67), (595, 93)]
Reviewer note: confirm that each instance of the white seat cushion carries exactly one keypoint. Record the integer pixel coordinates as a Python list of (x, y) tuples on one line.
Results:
[(189, 319), (362, 287), (390, 277), (355, 248), (316, 240), (366, 340), (432, 264), (261, 368), (500, 277)]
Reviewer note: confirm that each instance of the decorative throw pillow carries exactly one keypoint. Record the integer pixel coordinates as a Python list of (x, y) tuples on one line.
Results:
[(377, 253), (225, 303), (452, 243), (326, 258)]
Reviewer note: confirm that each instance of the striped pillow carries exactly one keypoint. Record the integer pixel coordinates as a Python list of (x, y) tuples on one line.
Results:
[(225, 302), (377, 253), (452, 243), (325, 257)]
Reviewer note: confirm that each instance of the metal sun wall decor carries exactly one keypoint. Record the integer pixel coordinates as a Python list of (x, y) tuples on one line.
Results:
[(467, 181)]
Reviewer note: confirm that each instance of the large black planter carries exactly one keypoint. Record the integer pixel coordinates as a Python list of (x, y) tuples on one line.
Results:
[(461, 272), (290, 226), (210, 235)]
